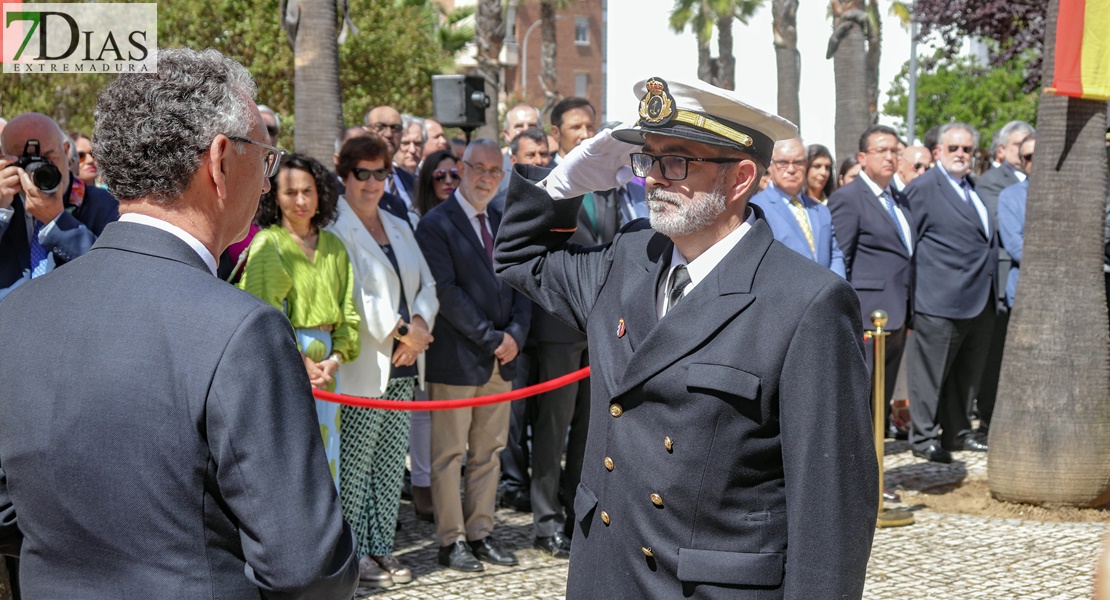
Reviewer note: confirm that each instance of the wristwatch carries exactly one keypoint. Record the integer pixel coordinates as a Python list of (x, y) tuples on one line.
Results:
[(402, 331), (336, 357)]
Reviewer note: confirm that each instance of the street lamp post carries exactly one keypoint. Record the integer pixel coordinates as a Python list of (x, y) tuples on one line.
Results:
[(911, 104), (524, 54)]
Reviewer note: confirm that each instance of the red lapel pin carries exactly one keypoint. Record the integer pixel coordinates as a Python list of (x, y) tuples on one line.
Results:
[(620, 328)]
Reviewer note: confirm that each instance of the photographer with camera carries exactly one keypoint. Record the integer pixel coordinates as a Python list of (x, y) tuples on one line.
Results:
[(43, 222)]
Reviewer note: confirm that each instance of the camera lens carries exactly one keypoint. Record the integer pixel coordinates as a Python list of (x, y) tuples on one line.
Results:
[(45, 176)]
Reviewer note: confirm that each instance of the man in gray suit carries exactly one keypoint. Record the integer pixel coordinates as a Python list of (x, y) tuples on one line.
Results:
[(158, 437)]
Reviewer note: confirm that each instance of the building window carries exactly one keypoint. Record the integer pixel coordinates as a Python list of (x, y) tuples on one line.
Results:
[(581, 31), (581, 84)]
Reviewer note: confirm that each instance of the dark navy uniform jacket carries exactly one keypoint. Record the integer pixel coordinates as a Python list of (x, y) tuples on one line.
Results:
[(730, 450)]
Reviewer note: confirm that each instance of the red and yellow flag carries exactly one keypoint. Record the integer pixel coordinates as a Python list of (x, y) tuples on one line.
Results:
[(1082, 50)]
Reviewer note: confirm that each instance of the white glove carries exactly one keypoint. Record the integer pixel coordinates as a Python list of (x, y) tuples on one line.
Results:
[(597, 164)]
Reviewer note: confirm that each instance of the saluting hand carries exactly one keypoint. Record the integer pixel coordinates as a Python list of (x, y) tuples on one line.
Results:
[(597, 164)]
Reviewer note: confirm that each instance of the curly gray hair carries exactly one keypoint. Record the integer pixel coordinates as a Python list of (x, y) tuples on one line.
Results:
[(152, 128)]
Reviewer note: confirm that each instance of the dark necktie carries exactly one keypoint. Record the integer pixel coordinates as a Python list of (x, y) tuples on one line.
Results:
[(39, 255), (487, 238), (679, 281), (967, 192)]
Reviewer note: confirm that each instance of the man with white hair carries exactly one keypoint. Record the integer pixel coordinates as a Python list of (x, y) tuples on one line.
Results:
[(730, 451), (159, 438)]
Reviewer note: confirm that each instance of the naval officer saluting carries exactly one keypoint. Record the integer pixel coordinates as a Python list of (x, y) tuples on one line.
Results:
[(730, 451)]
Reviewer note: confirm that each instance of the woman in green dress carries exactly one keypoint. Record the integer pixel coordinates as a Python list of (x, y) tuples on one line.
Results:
[(297, 266)]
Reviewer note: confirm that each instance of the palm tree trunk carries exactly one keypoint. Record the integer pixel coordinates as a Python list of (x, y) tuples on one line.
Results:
[(548, 74), (316, 95), (726, 62), (490, 35), (850, 75), (1050, 433), (874, 55), (787, 59)]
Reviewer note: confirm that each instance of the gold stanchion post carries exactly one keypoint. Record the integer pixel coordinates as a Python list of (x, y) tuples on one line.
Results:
[(886, 517)]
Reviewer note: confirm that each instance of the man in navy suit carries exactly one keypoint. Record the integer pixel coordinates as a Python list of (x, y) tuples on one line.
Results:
[(1011, 217), (481, 327), (158, 438), (873, 226), (47, 229), (956, 260), (797, 220)]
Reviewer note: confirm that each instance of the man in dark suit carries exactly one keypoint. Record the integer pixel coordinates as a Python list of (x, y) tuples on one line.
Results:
[(730, 450), (481, 327), (875, 232), (180, 456), (1010, 171), (798, 221), (55, 227), (955, 298)]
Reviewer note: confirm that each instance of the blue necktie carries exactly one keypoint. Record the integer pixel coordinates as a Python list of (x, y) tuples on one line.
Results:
[(967, 192), (39, 255), (889, 202)]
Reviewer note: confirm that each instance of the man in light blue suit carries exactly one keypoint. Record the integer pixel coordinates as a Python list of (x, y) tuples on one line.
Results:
[(1011, 217), (798, 221)]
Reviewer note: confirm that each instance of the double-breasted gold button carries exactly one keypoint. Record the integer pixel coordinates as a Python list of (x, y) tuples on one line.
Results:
[(657, 500), (647, 551), (605, 517), (668, 444), (616, 410), (608, 463)]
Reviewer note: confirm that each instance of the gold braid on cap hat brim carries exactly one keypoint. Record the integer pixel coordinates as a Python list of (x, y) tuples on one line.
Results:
[(704, 122)]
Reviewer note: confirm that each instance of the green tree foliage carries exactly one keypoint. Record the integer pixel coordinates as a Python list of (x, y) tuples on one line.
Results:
[(957, 89), (390, 61)]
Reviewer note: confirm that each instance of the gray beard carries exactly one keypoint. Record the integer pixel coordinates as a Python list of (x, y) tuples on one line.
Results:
[(685, 216)]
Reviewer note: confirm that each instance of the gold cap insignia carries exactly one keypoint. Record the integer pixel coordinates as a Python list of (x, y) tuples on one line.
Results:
[(657, 106)]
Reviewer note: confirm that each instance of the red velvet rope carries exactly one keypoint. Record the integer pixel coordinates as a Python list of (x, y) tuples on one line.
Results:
[(531, 390)]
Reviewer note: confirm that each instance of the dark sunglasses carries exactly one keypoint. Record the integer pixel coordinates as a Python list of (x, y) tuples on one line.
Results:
[(273, 130), (441, 174), (365, 174), (81, 156), (921, 167), (1027, 157), (953, 148)]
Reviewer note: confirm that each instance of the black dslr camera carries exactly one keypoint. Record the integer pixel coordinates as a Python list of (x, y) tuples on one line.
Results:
[(42, 172)]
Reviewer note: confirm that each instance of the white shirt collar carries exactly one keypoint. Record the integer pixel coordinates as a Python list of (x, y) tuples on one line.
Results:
[(468, 208), (703, 265), (875, 189), (178, 232)]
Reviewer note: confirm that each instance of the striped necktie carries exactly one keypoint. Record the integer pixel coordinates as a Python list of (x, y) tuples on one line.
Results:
[(803, 222), (39, 256), (889, 202)]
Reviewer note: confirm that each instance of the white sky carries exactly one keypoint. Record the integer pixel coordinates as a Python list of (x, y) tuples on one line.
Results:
[(641, 44)]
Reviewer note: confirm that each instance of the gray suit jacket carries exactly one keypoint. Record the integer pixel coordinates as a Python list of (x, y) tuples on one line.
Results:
[(989, 186), (730, 452), (158, 437)]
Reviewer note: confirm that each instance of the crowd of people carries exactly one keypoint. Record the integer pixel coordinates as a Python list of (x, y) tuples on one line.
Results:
[(383, 264)]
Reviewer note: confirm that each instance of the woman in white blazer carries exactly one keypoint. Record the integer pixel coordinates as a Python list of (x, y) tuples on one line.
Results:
[(395, 294)]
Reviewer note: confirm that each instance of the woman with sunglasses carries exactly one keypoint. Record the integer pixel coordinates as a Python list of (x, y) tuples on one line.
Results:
[(437, 180), (820, 183), (396, 296), (89, 170), (296, 265)]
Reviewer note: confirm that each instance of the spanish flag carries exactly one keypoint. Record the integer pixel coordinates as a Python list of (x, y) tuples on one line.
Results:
[(1083, 50)]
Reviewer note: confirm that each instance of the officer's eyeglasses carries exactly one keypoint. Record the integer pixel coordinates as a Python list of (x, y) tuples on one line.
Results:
[(273, 154), (672, 166), (365, 174)]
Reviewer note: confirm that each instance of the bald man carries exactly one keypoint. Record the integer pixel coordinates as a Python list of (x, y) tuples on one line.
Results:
[(913, 161), (41, 230)]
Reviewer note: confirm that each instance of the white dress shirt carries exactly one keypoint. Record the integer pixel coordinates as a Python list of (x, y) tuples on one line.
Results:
[(903, 224), (177, 232), (472, 216), (702, 266), (975, 201)]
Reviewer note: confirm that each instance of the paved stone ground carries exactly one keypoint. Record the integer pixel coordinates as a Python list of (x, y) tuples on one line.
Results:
[(941, 557)]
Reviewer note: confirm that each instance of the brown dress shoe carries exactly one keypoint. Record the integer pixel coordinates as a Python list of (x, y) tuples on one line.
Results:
[(371, 575), (422, 503), (400, 573)]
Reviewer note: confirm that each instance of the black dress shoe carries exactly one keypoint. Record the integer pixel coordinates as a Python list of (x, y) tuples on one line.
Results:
[(891, 496), (973, 443), (518, 500), (894, 432), (557, 545), (934, 453), (458, 556), (488, 550)]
